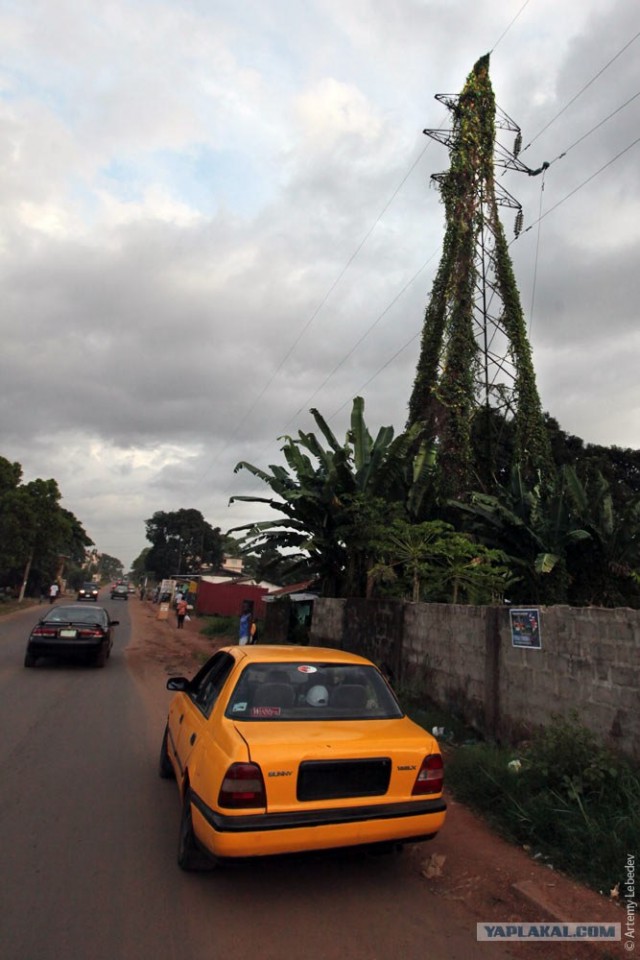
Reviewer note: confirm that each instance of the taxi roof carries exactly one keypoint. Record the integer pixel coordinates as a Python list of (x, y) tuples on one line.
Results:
[(285, 653)]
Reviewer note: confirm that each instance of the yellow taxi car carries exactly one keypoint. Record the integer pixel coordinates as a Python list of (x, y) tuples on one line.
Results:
[(282, 749)]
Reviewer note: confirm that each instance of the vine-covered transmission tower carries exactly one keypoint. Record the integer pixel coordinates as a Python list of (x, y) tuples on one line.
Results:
[(475, 370)]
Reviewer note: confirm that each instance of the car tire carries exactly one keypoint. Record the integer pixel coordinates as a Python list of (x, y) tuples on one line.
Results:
[(101, 657), (29, 660), (190, 857), (165, 768)]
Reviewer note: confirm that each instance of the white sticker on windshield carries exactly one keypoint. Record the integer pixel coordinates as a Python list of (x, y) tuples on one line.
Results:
[(307, 668), (239, 707)]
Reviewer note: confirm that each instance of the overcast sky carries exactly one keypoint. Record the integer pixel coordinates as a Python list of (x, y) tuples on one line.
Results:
[(216, 214)]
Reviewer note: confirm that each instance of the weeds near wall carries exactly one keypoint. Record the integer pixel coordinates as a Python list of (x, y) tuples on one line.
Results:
[(220, 626), (564, 795)]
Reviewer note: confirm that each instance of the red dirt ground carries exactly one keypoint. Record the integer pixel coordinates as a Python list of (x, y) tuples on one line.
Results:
[(467, 862)]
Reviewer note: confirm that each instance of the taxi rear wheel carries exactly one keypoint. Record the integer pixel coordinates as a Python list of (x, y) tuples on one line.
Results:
[(165, 768), (190, 857)]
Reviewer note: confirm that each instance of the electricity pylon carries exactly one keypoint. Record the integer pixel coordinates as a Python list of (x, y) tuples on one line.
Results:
[(475, 368)]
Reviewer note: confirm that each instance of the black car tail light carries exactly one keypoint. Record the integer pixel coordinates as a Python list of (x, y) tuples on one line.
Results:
[(243, 786), (91, 634), (44, 632), (430, 778)]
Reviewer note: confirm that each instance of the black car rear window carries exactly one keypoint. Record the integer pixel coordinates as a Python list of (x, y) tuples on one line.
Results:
[(80, 614), (311, 691)]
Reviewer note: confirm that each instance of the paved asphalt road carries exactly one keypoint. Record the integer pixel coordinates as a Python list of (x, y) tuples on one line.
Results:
[(88, 835)]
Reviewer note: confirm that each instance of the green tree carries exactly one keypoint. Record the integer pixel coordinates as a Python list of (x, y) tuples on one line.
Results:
[(109, 568), (139, 566), (431, 561), (181, 543), (37, 534)]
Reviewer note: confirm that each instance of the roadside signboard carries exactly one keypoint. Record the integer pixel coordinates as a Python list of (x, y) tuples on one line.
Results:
[(525, 628)]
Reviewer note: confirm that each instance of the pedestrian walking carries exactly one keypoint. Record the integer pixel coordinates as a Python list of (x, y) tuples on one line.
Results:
[(54, 589), (181, 612)]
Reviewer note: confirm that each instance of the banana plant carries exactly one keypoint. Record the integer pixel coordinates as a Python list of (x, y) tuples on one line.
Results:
[(331, 499)]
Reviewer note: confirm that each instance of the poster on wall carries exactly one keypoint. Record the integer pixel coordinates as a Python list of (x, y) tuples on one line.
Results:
[(525, 628)]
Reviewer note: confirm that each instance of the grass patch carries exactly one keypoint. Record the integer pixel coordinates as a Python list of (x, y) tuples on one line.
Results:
[(9, 606), (428, 715), (219, 626), (564, 794)]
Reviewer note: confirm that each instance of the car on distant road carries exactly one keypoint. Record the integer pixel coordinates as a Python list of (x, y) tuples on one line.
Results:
[(88, 591), (283, 749), (74, 631), (120, 592)]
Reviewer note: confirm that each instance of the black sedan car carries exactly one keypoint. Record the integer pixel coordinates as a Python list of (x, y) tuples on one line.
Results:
[(74, 632), (120, 592), (88, 591)]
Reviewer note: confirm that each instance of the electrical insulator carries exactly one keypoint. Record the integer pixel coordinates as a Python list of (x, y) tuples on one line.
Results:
[(518, 224), (517, 146)]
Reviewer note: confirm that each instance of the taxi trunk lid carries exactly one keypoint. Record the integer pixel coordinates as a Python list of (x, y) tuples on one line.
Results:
[(334, 763)]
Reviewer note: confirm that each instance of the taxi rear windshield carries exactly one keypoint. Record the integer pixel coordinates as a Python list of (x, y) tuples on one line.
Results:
[(312, 691)]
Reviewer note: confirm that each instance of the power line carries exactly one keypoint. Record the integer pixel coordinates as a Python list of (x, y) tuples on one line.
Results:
[(363, 337), (582, 90), (379, 371), (535, 265), (583, 184), (541, 217), (505, 32), (315, 313), (596, 127)]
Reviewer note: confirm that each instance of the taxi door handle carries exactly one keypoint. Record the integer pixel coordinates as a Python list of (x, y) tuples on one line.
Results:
[(192, 739)]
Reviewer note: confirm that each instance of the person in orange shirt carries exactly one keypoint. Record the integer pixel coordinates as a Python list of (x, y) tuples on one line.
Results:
[(181, 612)]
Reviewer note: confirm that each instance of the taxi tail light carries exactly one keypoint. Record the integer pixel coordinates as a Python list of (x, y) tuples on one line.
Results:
[(431, 776), (243, 786)]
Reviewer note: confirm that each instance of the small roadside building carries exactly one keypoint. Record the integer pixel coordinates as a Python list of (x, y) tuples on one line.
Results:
[(229, 596), (289, 613)]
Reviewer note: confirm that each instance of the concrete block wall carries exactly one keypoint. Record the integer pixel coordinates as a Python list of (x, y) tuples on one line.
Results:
[(462, 658)]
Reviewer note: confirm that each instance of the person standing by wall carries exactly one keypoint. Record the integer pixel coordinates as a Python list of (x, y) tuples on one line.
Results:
[(245, 628)]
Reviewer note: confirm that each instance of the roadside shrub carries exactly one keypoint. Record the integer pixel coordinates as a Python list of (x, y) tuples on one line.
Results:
[(565, 795), (219, 626)]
